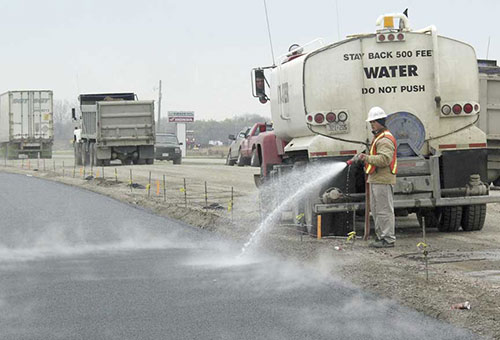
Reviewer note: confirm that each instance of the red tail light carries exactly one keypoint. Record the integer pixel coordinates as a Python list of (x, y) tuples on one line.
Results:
[(468, 108), (476, 107), (381, 37), (330, 117), (319, 118), (309, 118), (401, 36), (457, 109), (390, 37)]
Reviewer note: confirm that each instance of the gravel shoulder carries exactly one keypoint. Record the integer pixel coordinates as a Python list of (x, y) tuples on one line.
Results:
[(461, 266)]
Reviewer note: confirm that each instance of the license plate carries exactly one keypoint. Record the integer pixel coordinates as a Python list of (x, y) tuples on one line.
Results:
[(165, 154)]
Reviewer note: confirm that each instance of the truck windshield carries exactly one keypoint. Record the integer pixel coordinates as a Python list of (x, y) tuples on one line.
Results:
[(166, 139)]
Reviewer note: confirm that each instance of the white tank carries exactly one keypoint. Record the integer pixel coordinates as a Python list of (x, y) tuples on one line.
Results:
[(416, 75)]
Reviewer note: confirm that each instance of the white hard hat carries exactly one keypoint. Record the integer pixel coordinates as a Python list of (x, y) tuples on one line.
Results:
[(376, 113)]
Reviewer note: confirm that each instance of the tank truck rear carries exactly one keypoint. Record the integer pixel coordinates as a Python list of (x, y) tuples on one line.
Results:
[(430, 86)]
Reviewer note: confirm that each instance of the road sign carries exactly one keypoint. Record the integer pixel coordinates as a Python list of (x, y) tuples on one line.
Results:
[(181, 116)]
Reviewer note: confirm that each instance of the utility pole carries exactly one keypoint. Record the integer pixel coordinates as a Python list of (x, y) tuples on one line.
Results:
[(159, 108)]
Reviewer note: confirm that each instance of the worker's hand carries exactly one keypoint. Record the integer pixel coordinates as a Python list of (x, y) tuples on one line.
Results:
[(362, 156)]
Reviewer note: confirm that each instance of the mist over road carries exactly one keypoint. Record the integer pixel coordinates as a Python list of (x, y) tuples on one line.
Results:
[(78, 265)]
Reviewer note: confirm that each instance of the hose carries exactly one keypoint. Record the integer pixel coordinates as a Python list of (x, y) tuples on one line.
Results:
[(452, 132)]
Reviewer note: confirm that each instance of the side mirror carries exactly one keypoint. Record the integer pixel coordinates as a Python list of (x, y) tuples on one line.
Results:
[(73, 113), (231, 137), (260, 85)]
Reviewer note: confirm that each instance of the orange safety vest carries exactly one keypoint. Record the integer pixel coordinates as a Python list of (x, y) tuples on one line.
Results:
[(369, 169)]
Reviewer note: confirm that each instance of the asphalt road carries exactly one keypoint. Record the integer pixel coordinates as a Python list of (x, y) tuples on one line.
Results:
[(77, 265)]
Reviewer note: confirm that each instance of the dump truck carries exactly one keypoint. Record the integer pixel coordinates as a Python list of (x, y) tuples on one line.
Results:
[(489, 119), (429, 84), (26, 124), (114, 126)]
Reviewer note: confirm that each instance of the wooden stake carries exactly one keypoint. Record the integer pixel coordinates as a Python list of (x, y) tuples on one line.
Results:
[(318, 234)]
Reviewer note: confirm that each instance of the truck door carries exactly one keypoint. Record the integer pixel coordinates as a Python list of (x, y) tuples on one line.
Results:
[(19, 109)]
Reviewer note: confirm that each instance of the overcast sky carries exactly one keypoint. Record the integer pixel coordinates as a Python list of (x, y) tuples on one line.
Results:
[(203, 51)]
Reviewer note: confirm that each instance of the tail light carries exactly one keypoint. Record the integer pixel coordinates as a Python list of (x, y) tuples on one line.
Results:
[(381, 37), (457, 109), (342, 116), (401, 36), (468, 108), (331, 117), (446, 110), (319, 118), (310, 118), (476, 107), (390, 37)]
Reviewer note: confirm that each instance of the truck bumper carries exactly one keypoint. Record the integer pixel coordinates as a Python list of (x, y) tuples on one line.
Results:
[(414, 203), (17, 150)]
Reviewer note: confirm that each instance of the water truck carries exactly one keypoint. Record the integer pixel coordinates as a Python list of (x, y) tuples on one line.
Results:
[(26, 124), (320, 95), (114, 126)]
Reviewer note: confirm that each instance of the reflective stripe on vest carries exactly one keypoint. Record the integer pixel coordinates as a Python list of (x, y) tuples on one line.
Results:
[(369, 168)]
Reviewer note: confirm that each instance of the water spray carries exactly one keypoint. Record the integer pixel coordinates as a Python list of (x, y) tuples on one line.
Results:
[(323, 173)]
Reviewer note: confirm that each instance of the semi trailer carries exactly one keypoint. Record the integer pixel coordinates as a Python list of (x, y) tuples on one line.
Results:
[(26, 124), (429, 84), (114, 126)]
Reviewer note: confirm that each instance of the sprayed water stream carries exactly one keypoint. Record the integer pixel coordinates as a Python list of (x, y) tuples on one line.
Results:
[(316, 174)]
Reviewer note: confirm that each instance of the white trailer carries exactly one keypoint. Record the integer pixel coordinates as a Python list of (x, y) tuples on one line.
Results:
[(429, 85), (115, 126), (26, 124)]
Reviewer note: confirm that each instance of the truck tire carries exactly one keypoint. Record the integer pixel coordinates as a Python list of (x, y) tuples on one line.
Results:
[(93, 155), (177, 160), (431, 218), (451, 218), (341, 224), (78, 155), (473, 217), (241, 160), (86, 154), (255, 158), (328, 221), (230, 161), (150, 160), (310, 219)]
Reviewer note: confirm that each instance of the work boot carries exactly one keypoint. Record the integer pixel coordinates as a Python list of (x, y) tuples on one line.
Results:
[(381, 244)]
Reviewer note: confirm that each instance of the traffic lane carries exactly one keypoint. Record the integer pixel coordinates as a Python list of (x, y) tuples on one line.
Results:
[(158, 294), (161, 279)]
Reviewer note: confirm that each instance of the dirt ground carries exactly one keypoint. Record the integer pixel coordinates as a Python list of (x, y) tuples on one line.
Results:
[(462, 266)]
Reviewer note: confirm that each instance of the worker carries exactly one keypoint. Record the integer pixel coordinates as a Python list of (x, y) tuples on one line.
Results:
[(381, 168)]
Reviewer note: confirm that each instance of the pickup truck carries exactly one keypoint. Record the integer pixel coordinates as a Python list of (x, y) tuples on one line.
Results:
[(247, 154)]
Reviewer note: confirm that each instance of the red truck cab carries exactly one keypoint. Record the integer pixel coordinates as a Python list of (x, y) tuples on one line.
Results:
[(248, 144)]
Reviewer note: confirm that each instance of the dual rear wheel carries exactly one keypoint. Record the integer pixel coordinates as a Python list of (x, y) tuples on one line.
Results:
[(450, 219)]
